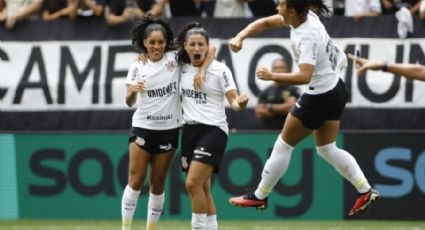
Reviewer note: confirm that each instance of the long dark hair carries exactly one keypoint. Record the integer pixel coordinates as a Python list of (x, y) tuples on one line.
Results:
[(191, 28), (145, 27), (303, 6)]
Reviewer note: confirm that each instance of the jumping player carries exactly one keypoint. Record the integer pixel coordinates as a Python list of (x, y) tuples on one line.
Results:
[(319, 109)]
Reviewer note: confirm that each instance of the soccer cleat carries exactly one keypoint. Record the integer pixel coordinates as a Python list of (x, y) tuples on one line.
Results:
[(248, 200), (364, 201)]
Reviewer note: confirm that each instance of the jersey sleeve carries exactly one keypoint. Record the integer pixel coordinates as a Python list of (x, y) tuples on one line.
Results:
[(132, 75), (308, 51), (227, 82)]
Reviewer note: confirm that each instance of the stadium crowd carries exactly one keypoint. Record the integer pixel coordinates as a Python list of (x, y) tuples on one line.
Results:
[(120, 11)]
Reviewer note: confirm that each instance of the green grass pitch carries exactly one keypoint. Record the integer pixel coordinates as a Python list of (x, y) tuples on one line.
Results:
[(223, 225)]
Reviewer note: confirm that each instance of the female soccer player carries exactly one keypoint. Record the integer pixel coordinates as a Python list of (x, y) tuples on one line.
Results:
[(205, 128), (319, 109), (155, 124)]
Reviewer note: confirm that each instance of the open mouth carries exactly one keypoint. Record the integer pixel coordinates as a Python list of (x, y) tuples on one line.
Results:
[(197, 57)]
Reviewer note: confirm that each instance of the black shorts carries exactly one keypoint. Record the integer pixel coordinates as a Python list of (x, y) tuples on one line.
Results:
[(313, 110), (203, 143), (155, 141)]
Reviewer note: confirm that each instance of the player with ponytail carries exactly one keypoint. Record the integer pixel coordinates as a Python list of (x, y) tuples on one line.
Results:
[(318, 111)]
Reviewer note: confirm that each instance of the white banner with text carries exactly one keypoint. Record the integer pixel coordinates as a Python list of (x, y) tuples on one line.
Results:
[(89, 75)]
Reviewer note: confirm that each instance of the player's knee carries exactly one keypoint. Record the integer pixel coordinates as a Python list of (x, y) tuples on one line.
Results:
[(325, 150), (192, 186), (157, 184), (135, 182)]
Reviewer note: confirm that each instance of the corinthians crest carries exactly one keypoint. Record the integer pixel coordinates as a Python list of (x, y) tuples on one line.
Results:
[(171, 65)]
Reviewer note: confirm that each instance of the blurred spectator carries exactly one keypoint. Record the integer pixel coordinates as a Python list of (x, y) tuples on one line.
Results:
[(388, 7), (2, 10), (182, 8), (276, 101), (392, 6), (403, 10), (412, 5), (205, 7), (54, 9), (17, 10), (260, 8), (87, 8), (121, 11), (422, 10), (362, 8), (229, 9), (339, 7)]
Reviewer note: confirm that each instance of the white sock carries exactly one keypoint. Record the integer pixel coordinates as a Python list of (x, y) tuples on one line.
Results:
[(275, 167), (128, 206), (345, 164), (126, 227), (199, 221), (212, 222), (155, 206)]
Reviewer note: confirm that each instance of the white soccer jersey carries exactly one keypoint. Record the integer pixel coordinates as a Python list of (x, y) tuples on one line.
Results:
[(159, 105), (206, 106), (311, 44)]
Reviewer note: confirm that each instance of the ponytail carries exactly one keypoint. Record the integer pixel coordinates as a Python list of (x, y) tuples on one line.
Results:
[(321, 9), (303, 6)]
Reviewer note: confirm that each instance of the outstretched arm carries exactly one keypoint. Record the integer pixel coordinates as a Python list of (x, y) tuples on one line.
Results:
[(255, 27), (29, 10), (95, 7), (113, 19), (410, 71)]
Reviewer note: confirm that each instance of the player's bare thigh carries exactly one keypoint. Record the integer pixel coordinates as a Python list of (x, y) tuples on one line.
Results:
[(293, 130), (327, 132)]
